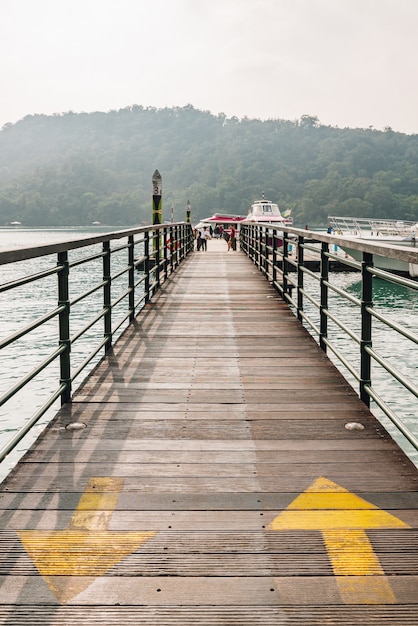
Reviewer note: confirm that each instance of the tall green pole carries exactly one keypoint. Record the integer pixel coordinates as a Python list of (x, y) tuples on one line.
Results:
[(157, 205)]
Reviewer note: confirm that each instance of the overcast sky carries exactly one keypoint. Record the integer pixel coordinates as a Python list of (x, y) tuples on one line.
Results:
[(349, 62)]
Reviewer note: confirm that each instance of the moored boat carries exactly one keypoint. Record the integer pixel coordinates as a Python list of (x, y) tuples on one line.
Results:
[(222, 219), (265, 211), (387, 231)]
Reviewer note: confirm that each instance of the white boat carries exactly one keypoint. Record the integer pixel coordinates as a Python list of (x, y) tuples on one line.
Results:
[(265, 211), (262, 211), (393, 232)]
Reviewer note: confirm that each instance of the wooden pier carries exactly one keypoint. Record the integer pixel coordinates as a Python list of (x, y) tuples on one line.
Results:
[(208, 472)]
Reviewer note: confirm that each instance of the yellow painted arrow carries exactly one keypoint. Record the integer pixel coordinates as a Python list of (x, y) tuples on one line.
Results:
[(70, 560), (343, 519)]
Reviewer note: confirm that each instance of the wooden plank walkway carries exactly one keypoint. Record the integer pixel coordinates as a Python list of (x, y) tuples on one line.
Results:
[(215, 481)]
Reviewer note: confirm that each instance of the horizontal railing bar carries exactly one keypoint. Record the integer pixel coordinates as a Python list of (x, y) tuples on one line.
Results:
[(399, 280), (309, 321), (388, 322), (90, 357), (121, 297), (86, 259), (29, 279), (310, 298), (87, 326), (393, 371), (31, 375), (278, 286), (315, 251), (342, 293), (343, 326), (122, 272), (88, 293), (292, 261), (392, 416), (310, 273), (404, 253), (29, 327), (23, 254), (5, 451), (121, 322), (287, 297), (341, 358), (139, 302), (117, 249), (292, 280), (344, 260), (141, 280)]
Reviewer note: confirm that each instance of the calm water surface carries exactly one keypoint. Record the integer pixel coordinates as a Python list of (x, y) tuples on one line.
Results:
[(17, 308)]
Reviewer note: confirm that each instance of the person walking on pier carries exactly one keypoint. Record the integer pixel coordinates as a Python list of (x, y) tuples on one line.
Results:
[(204, 235), (232, 241)]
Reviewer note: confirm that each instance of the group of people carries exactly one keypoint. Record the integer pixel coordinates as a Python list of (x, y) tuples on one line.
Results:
[(203, 234)]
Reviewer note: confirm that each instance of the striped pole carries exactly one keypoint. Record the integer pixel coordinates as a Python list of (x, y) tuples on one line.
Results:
[(157, 207)]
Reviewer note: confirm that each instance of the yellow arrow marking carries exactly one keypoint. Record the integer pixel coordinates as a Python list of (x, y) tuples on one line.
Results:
[(70, 560), (343, 518)]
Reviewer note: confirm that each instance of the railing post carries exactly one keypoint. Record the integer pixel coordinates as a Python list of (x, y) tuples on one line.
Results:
[(323, 325), (191, 240), (157, 251), (147, 266), (266, 251), (175, 242), (274, 258), (300, 260), (166, 243), (256, 246), (170, 236), (107, 295), (250, 232), (64, 326), (285, 265), (131, 278), (366, 326)]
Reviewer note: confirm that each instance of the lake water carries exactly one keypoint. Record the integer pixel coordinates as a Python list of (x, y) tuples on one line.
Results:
[(397, 302), (17, 308), (401, 306)]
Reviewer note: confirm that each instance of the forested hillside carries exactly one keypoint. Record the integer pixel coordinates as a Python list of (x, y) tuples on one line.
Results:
[(73, 169)]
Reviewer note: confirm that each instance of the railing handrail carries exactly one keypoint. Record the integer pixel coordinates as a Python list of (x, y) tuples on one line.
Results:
[(23, 254), (268, 247), (403, 253), (112, 277)]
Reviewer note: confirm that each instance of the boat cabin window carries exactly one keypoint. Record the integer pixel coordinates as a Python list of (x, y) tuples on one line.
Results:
[(267, 208)]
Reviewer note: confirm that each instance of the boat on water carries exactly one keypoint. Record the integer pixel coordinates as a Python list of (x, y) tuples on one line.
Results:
[(265, 211), (222, 219), (387, 231), (262, 211)]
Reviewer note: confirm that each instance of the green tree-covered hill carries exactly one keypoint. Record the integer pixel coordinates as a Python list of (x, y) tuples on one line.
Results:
[(73, 169)]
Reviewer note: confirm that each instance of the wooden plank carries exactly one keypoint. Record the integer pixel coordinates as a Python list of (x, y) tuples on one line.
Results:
[(155, 615)]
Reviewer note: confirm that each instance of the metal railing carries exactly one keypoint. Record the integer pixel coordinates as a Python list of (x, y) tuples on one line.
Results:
[(288, 258), (112, 276)]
